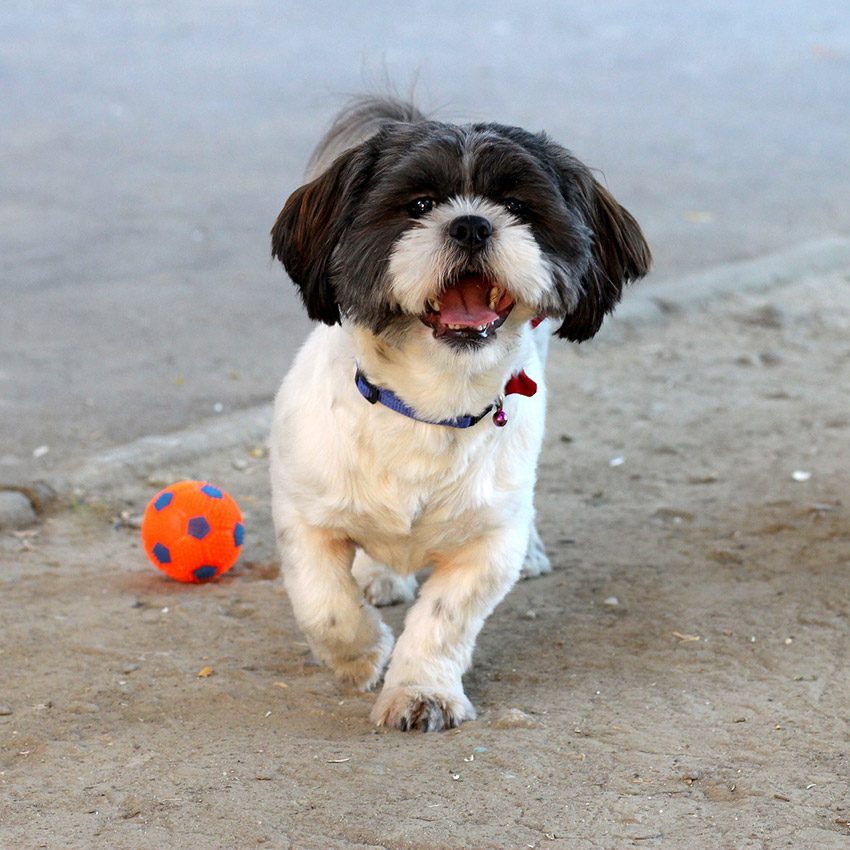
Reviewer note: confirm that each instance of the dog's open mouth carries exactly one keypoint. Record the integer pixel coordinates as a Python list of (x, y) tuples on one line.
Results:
[(469, 310)]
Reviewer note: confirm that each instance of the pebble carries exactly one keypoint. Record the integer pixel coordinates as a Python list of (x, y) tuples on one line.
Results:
[(16, 511), (768, 316), (83, 708), (5, 711), (674, 514), (515, 718)]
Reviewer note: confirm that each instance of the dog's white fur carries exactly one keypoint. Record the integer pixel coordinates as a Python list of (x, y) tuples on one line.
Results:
[(410, 495), (364, 497)]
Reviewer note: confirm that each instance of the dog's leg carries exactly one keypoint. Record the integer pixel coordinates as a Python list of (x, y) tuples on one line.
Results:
[(380, 584), (422, 687), (343, 631), (536, 562)]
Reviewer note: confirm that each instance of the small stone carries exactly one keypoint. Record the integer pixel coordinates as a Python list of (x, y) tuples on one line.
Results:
[(724, 556), (708, 478), (39, 493), (515, 718), (674, 515), (768, 316), (5, 710), (83, 708), (16, 511)]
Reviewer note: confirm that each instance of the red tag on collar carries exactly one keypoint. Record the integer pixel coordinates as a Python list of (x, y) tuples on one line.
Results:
[(520, 384)]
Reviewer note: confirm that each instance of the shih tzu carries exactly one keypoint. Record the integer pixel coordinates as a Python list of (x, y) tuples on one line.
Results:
[(438, 259)]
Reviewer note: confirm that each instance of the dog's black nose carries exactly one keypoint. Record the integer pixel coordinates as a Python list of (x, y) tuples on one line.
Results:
[(471, 231)]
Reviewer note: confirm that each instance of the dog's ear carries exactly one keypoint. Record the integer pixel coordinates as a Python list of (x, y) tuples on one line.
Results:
[(619, 254), (310, 227)]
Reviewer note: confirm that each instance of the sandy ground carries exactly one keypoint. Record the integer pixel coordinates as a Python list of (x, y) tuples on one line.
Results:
[(679, 681)]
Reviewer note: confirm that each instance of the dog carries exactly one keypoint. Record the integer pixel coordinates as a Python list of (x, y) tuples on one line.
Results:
[(437, 259)]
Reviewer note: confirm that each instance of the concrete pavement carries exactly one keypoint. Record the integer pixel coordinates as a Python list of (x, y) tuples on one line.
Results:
[(148, 148)]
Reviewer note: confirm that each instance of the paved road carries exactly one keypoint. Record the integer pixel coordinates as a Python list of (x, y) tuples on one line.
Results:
[(147, 147)]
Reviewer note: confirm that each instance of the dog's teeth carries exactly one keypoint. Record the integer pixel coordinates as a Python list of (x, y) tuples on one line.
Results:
[(494, 297), (434, 304), (454, 327)]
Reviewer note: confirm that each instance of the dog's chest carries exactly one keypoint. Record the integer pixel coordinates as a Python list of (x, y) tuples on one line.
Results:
[(402, 490), (422, 479), (405, 498)]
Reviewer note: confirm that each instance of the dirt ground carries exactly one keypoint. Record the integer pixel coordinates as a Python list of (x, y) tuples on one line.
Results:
[(679, 681)]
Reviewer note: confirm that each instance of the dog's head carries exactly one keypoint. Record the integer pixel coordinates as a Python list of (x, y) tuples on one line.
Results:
[(454, 228)]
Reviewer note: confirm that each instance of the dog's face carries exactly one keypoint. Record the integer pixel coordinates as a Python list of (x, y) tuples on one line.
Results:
[(456, 230)]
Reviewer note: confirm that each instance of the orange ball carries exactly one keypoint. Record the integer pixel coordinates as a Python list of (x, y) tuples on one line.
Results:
[(193, 531)]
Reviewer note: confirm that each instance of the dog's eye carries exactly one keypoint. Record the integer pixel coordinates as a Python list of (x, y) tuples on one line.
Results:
[(420, 207), (515, 207)]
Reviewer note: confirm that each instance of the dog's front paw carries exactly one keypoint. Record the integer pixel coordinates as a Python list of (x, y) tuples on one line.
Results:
[(365, 671), (409, 708), (536, 562), (380, 585), (390, 589)]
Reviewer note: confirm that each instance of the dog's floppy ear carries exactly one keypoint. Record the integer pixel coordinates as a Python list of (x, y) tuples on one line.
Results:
[(311, 225), (619, 255)]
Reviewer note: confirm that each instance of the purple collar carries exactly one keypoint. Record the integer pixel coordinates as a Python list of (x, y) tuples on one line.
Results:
[(520, 384), (389, 399)]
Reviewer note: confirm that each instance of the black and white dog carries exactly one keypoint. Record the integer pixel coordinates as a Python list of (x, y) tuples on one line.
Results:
[(407, 432)]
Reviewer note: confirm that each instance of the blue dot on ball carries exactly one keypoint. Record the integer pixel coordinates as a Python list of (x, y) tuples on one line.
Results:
[(212, 492), (205, 572), (199, 528), (163, 500), (162, 554), (238, 534)]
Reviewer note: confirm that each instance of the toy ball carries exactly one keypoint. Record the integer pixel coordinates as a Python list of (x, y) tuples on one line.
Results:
[(193, 531)]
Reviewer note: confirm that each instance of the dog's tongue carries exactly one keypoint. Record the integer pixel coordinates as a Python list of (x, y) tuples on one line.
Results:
[(467, 303)]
